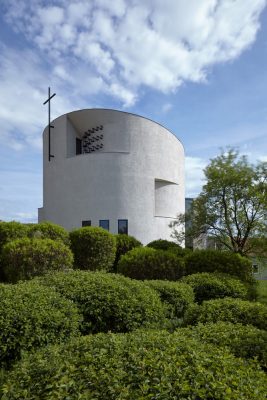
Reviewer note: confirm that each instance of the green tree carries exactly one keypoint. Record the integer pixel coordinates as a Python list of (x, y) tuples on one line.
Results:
[(232, 206)]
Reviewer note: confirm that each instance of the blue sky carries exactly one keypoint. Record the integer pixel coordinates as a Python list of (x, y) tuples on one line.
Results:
[(198, 67)]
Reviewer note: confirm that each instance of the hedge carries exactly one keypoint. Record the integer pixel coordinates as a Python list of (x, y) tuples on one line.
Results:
[(177, 296), (162, 244), (213, 285), (124, 243), (10, 231), (147, 263), (26, 258), (48, 230), (109, 302), (93, 248), (244, 341), (141, 365), (218, 261), (228, 309), (31, 316)]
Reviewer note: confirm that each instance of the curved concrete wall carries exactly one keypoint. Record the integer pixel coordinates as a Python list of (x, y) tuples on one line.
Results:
[(137, 174)]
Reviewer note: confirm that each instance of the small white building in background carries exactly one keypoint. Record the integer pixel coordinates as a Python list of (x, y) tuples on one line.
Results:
[(112, 169)]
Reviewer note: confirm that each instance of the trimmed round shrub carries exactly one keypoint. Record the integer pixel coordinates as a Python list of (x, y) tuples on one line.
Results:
[(228, 309), (244, 341), (218, 261), (162, 244), (212, 285), (179, 251), (93, 248), (31, 316), (48, 230), (109, 302), (147, 263), (124, 243), (10, 231), (177, 296), (141, 365), (26, 258)]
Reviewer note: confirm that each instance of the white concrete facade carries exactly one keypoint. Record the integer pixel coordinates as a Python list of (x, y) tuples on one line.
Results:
[(133, 170)]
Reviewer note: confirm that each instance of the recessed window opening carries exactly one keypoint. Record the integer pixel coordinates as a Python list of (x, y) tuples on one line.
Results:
[(104, 223), (78, 146), (123, 226), (86, 223)]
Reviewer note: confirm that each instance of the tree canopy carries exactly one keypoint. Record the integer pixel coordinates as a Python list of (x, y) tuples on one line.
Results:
[(232, 206)]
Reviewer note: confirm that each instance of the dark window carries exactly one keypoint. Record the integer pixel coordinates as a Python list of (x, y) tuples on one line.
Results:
[(86, 223), (78, 146), (255, 268), (123, 226), (104, 223)]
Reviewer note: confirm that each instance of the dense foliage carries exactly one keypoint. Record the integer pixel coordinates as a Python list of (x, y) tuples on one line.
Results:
[(26, 258), (162, 244), (218, 261), (213, 285), (48, 230), (141, 365), (31, 316), (147, 263), (233, 202), (93, 248), (124, 243), (108, 302), (177, 296), (228, 309), (11, 230), (244, 341)]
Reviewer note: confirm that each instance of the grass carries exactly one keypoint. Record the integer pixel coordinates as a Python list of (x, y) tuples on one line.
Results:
[(262, 291)]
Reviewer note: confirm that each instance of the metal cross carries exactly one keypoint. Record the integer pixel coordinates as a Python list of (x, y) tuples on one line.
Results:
[(49, 124)]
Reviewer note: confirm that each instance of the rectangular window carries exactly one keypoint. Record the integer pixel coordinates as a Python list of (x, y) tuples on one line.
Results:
[(104, 223), (123, 226), (255, 268), (86, 223), (78, 146)]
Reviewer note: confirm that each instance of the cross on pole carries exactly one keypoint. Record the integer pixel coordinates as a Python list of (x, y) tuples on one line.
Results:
[(49, 124)]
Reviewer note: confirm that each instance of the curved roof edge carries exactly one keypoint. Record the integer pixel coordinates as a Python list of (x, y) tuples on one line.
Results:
[(119, 111)]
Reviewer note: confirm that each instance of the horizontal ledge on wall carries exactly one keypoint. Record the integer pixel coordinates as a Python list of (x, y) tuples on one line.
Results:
[(162, 216)]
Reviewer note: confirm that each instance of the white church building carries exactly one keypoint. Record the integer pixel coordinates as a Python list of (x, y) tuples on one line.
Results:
[(112, 169)]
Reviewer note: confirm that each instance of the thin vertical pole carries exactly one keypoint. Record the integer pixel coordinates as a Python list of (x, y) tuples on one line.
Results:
[(49, 124)]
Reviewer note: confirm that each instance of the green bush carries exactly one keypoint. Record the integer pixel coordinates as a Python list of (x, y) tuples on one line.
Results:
[(242, 341), (218, 261), (31, 316), (141, 365), (10, 231), (213, 285), (162, 244), (228, 309), (147, 263), (26, 258), (93, 248), (177, 296), (48, 230), (124, 243), (108, 302)]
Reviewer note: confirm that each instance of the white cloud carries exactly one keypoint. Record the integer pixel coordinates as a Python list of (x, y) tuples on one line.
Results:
[(167, 107), (112, 48), (194, 176), (140, 42)]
